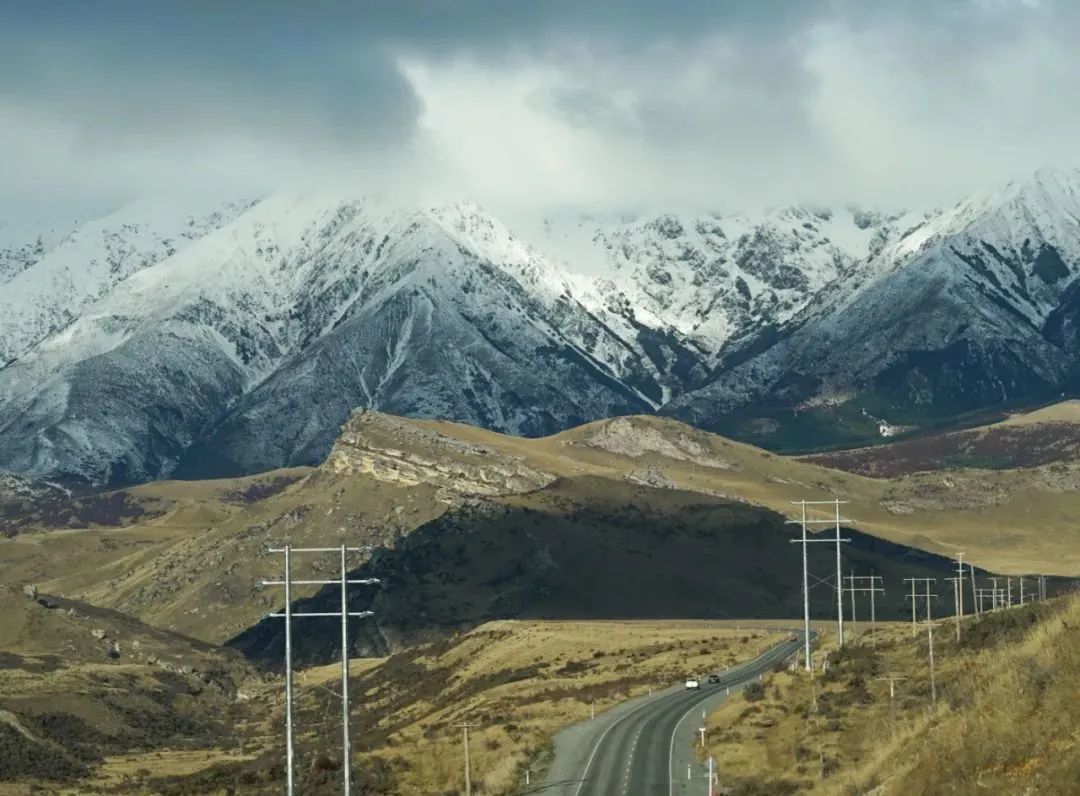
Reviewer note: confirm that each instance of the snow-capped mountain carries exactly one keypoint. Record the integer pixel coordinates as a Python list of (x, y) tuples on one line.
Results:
[(713, 277), (968, 308), (48, 277), (167, 338), (247, 348)]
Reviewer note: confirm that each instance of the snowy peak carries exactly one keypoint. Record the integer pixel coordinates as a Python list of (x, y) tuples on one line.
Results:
[(234, 336), (53, 284), (710, 276)]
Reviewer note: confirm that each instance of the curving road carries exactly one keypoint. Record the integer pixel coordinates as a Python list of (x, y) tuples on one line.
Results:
[(644, 747)]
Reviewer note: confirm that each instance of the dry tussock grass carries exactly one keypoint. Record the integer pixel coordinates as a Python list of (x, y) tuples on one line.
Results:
[(520, 681), (1006, 719), (1017, 730)]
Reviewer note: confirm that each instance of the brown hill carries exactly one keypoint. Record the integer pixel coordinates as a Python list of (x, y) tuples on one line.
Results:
[(193, 563), (81, 684), (1045, 436)]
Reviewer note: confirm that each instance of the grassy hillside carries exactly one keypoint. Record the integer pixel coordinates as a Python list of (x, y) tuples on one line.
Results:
[(83, 687), (192, 560), (588, 549), (1024, 440), (519, 681), (1003, 720)]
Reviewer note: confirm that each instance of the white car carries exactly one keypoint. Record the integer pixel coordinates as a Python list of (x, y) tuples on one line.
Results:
[(692, 684)]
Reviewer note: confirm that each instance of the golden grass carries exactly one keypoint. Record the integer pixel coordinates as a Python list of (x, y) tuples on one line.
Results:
[(194, 569), (520, 681), (1005, 719), (1014, 726)]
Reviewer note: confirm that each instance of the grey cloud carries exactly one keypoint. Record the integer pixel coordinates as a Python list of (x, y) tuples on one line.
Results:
[(697, 101)]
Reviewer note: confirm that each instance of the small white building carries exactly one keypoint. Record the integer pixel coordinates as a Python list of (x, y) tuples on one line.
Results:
[(887, 430)]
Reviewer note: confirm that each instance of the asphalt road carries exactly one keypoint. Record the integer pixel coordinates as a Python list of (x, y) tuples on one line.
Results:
[(644, 746)]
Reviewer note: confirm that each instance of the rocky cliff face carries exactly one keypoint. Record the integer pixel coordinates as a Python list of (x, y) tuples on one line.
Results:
[(407, 454)]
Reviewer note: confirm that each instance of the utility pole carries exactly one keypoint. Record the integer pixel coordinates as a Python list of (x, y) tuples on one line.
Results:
[(289, 762), (839, 593), (710, 790), (465, 727), (346, 742), (804, 521), (978, 605), (851, 582), (929, 627), (959, 590), (958, 587), (288, 615), (933, 675), (893, 679), (1021, 590), (1008, 599), (873, 589), (913, 596)]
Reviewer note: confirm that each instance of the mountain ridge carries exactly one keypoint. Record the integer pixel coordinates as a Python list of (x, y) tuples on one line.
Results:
[(247, 344)]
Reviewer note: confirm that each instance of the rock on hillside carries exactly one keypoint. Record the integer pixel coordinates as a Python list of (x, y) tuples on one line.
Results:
[(408, 453)]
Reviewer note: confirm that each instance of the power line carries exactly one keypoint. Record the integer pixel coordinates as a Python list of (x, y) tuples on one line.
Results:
[(288, 615), (803, 521), (929, 626), (872, 589)]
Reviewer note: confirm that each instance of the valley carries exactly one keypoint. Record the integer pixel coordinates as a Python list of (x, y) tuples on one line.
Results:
[(539, 399), (516, 571)]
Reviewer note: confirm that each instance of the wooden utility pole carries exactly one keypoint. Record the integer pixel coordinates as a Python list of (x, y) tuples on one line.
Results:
[(893, 679), (465, 727), (933, 672)]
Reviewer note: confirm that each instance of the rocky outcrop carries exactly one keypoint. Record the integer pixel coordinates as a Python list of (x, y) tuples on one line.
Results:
[(638, 436), (403, 452)]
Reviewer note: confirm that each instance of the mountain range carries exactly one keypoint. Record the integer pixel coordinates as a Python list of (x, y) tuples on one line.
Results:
[(170, 338)]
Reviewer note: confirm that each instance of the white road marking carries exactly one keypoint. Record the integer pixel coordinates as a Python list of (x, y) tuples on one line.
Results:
[(600, 740)]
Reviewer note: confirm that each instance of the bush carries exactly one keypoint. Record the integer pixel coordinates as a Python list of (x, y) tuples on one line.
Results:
[(754, 692)]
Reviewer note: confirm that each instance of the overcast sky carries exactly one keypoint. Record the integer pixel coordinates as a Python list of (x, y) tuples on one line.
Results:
[(519, 104)]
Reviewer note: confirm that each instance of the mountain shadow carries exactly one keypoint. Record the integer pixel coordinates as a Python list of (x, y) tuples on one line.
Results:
[(590, 548)]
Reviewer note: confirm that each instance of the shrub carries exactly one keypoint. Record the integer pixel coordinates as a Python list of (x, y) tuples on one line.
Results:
[(754, 692)]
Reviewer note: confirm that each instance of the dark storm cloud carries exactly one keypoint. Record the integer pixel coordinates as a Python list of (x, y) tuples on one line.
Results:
[(544, 102)]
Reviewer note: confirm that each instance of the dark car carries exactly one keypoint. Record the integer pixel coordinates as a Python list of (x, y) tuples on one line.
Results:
[(714, 679)]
